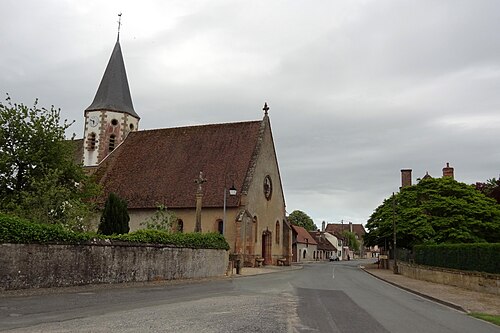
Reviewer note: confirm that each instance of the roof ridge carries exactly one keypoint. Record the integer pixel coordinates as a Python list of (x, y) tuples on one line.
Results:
[(199, 126)]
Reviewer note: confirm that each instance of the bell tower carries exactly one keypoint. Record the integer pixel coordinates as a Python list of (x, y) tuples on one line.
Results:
[(111, 116)]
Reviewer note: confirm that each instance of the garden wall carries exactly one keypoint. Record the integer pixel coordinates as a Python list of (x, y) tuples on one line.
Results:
[(483, 282), (48, 265)]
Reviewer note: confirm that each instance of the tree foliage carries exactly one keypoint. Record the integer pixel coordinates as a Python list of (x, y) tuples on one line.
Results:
[(490, 188), (352, 242), (39, 178), (114, 218), (298, 217), (435, 211)]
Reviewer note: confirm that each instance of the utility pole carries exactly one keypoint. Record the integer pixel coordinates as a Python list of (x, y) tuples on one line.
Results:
[(394, 231)]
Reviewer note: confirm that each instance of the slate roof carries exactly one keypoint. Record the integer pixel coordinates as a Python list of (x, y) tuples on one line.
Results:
[(337, 228), (159, 166), (113, 92), (302, 235)]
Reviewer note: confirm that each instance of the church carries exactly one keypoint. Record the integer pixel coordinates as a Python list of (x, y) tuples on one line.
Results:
[(229, 170)]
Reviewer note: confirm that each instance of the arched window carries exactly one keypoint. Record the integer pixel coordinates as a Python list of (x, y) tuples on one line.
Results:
[(256, 227), (304, 255), (92, 141), (220, 227), (180, 226), (277, 232), (112, 141)]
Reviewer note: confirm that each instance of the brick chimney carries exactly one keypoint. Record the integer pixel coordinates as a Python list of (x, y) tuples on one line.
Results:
[(448, 171), (323, 226), (405, 178)]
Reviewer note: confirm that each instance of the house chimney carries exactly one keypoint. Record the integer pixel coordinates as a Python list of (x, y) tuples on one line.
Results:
[(350, 226), (323, 226), (448, 171), (405, 178)]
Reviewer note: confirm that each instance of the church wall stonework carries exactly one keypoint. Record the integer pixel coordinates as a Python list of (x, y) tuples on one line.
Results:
[(25, 266)]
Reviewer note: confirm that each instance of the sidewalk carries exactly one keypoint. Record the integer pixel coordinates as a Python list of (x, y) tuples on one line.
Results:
[(246, 271), (458, 298)]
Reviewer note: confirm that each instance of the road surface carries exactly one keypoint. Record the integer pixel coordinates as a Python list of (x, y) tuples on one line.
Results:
[(321, 297)]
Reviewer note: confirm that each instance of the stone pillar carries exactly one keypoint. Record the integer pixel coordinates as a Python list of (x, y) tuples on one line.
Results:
[(197, 226)]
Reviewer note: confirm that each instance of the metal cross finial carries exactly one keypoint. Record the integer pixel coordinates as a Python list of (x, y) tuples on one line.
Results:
[(200, 180), (119, 25), (266, 108)]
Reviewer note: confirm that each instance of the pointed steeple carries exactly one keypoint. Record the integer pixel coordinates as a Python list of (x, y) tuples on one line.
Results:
[(113, 93)]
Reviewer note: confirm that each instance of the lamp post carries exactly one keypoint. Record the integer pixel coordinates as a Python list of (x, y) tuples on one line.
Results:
[(394, 231), (232, 192)]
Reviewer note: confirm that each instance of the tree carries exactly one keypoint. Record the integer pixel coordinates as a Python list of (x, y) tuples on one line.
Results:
[(490, 188), (114, 218), (352, 241), (434, 211), (298, 217), (162, 219), (39, 178)]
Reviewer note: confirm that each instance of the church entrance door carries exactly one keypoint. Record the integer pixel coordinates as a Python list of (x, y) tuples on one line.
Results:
[(266, 248)]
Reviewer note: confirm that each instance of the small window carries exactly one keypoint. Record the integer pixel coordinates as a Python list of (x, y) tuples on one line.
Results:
[(180, 226), (114, 122), (112, 141), (220, 227), (92, 141), (131, 126)]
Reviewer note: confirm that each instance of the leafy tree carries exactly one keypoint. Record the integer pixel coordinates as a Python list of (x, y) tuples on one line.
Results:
[(114, 218), (490, 188), (162, 219), (39, 178), (298, 217), (352, 242), (434, 211)]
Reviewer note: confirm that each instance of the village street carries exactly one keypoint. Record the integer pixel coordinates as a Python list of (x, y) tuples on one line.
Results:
[(321, 297)]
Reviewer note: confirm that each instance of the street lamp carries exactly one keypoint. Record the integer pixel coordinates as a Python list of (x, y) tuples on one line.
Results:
[(232, 192)]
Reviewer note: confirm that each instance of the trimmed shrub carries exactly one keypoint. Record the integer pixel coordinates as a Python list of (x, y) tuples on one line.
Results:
[(480, 257), (21, 231), (115, 218)]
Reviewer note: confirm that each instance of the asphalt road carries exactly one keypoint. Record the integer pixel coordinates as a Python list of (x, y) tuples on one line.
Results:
[(322, 297)]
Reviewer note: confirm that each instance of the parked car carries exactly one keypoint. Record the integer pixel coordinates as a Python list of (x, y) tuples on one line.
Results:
[(334, 258)]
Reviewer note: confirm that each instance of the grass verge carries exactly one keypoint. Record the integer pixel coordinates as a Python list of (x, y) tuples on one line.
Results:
[(491, 318)]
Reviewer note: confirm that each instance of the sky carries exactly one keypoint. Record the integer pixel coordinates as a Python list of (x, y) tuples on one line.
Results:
[(357, 90)]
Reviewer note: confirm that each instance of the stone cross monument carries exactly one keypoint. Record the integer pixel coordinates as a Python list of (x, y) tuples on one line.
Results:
[(199, 195)]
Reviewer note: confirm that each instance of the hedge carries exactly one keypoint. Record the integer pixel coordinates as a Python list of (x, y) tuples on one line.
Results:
[(17, 230), (480, 257)]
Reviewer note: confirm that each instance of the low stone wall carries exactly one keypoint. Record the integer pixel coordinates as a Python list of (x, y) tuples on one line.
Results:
[(38, 266), (483, 282)]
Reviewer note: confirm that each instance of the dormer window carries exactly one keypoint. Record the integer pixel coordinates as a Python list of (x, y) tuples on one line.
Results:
[(112, 141), (91, 141)]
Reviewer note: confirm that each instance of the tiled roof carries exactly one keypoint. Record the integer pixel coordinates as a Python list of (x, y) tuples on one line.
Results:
[(322, 241), (159, 166), (338, 228), (303, 236), (113, 92)]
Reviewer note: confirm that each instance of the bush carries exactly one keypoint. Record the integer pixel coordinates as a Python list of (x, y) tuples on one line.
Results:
[(480, 257), (115, 218), (20, 231)]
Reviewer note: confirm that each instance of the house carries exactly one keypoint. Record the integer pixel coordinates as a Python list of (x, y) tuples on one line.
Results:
[(304, 246), (357, 229), (325, 249), (215, 178)]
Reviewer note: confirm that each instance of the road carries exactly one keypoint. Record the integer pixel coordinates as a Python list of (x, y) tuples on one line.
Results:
[(321, 297)]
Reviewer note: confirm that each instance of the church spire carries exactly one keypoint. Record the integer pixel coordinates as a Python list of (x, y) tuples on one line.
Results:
[(113, 93), (119, 25)]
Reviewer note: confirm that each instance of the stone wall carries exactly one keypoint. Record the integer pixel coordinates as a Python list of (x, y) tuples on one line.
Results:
[(483, 282), (39, 266)]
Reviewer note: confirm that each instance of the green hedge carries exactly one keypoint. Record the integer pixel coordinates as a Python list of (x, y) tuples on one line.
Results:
[(21, 231), (482, 257)]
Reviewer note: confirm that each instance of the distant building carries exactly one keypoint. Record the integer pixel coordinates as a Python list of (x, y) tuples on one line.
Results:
[(304, 246)]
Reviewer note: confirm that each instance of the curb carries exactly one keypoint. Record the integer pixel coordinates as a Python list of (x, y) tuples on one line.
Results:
[(432, 298)]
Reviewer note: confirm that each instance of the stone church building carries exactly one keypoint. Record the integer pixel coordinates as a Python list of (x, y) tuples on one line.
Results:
[(238, 183)]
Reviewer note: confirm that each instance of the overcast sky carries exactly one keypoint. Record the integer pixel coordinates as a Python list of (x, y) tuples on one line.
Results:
[(358, 90)]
